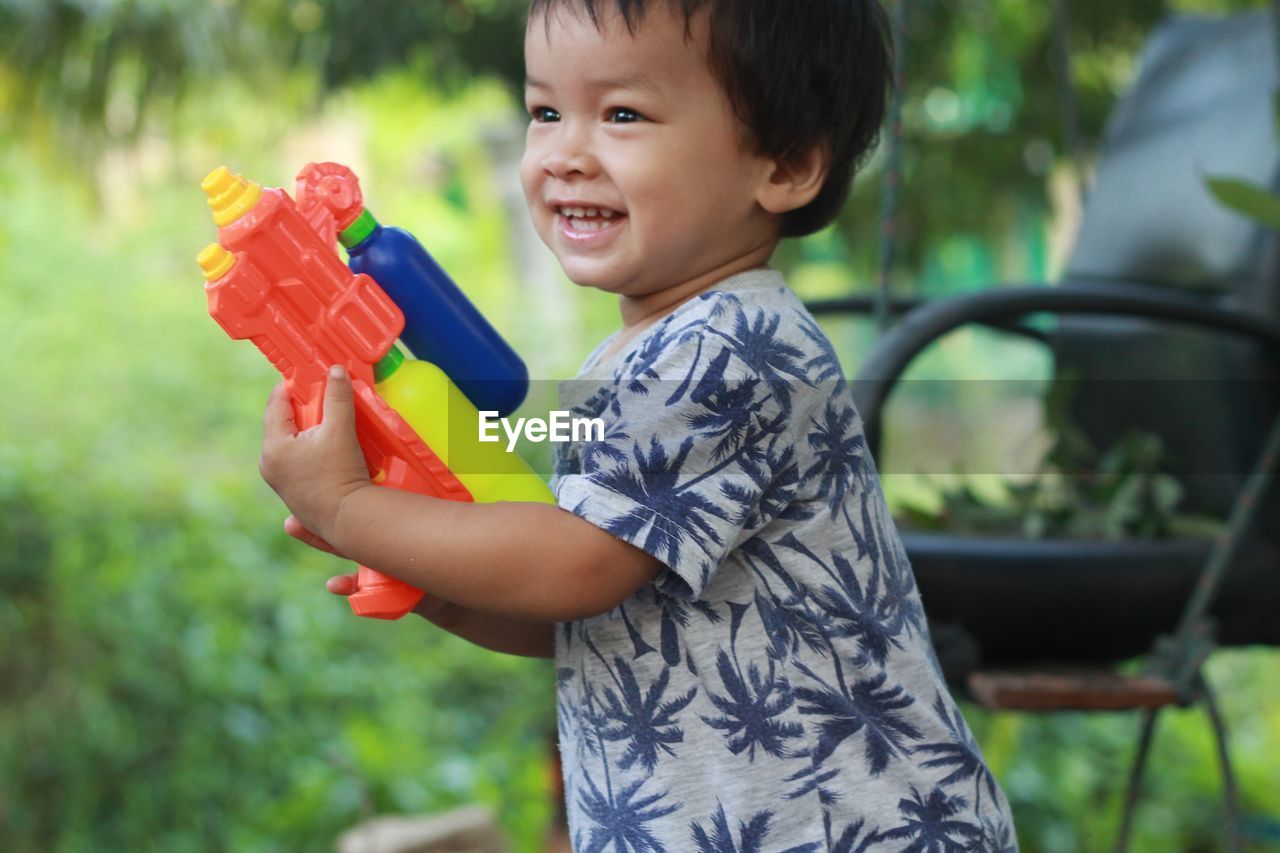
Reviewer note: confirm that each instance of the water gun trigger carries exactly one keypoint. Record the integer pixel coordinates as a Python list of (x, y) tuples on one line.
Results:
[(308, 403), (328, 196)]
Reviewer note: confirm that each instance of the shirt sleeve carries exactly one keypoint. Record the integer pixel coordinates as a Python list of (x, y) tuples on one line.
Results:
[(697, 454)]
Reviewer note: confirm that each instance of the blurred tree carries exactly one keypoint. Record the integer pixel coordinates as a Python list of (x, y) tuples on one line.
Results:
[(985, 120), (983, 116), (101, 68)]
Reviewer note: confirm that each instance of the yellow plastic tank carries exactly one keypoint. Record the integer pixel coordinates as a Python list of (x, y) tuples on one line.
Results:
[(448, 422)]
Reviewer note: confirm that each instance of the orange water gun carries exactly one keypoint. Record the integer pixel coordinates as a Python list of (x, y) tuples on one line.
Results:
[(275, 278)]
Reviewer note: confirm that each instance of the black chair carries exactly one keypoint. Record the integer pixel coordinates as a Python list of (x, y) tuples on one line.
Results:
[(1169, 315)]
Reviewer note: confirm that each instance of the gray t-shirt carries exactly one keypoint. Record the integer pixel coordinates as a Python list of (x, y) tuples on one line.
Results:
[(774, 688)]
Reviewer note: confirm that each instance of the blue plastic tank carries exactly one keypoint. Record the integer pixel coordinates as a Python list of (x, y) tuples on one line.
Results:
[(441, 324)]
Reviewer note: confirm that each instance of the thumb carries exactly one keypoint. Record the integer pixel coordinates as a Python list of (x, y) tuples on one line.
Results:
[(339, 398)]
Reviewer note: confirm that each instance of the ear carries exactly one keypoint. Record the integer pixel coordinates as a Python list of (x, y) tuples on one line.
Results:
[(791, 184)]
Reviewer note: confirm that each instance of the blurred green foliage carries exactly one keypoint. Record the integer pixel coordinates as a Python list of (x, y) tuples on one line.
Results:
[(174, 675)]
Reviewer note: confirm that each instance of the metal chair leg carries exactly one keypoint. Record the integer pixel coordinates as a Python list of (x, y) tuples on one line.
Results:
[(1231, 794), (1134, 789)]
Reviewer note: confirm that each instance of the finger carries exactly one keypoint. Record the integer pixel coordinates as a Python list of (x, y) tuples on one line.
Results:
[(295, 529), (341, 584), (278, 420), (339, 400), (429, 606)]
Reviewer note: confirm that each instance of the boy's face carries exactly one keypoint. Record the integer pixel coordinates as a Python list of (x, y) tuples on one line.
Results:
[(636, 129)]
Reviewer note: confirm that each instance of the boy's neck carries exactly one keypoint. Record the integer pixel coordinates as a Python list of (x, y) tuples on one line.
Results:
[(639, 312)]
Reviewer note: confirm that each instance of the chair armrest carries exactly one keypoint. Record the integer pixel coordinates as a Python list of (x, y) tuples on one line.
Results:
[(864, 303), (895, 351)]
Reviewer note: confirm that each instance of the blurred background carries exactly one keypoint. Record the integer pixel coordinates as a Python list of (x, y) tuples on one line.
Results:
[(173, 674)]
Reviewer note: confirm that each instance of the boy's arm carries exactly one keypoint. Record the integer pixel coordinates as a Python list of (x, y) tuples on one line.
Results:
[(528, 560), (524, 637)]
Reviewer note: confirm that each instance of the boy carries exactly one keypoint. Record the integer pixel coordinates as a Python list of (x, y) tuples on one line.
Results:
[(743, 661)]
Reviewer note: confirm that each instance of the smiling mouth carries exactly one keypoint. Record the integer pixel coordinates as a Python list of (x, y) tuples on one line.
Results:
[(587, 220)]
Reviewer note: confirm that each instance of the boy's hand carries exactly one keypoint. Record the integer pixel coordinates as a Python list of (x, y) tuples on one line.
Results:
[(313, 471), (344, 585), (295, 529)]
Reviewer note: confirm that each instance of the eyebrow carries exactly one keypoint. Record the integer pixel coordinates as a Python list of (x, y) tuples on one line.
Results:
[(626, 81)]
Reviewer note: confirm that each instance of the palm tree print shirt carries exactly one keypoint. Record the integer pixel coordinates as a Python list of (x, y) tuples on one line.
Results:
[(774, 688)]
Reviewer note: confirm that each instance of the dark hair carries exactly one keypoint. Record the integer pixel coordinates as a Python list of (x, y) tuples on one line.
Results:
[(799, 74)]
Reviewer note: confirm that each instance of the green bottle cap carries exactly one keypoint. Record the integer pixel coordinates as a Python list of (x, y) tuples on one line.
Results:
[(354, 233), (388, 364)]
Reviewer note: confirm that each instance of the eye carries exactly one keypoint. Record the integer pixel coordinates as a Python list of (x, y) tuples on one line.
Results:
[(624, 115), (543, 114)]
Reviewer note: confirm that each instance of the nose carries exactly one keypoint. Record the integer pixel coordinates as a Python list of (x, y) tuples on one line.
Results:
[(568, 152)]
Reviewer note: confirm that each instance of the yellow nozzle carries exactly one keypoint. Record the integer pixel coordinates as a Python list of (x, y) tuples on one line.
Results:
[(230, 196), (215, 261)]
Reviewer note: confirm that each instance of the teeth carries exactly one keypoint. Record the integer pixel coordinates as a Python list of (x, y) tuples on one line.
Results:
[(590, 212)]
